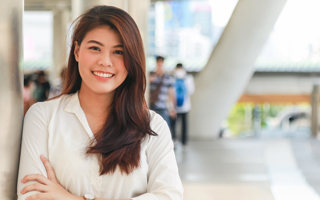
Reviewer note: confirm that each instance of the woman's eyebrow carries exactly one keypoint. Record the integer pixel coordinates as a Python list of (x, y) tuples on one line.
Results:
[(99, 43), (119, 45), (96, 42)]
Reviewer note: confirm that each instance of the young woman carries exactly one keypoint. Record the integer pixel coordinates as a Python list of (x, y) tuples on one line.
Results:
[(98, 140)]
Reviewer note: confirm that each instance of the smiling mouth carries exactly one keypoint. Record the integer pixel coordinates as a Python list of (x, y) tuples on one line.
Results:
[(103, 75)]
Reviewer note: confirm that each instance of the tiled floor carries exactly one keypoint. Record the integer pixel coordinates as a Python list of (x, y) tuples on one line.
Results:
[(250, 169)]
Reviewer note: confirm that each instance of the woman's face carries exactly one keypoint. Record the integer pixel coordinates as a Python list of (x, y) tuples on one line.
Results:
[(100, 61)]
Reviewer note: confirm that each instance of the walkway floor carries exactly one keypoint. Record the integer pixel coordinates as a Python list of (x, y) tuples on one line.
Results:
[(251, 169)]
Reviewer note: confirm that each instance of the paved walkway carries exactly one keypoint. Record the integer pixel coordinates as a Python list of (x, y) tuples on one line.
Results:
[(251, 169)]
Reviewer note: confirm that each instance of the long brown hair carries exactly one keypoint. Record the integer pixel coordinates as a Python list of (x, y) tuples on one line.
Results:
[(128, 122)]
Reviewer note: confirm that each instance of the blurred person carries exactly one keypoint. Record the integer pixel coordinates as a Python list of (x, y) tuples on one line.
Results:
[(162, 96), (98, 140), (41, 92), (184, 89), (57, 85), (28, 87)]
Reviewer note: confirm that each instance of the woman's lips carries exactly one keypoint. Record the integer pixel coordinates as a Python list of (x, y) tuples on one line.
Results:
[(102, 76)]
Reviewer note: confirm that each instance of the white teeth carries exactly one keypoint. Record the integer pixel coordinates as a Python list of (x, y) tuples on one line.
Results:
[(103, 74)]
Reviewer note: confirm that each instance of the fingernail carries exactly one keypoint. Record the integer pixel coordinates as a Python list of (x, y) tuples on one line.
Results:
[(42, 156)]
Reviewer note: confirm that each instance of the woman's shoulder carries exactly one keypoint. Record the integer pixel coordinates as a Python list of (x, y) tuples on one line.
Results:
[(161, 128), (157, 123), (155, 118), (50, 105)]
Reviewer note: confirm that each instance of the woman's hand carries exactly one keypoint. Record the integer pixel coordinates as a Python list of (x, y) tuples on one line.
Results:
[(49, 188)]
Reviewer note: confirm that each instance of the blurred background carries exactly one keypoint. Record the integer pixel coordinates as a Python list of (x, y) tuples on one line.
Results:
[(277, 97), (254, 122)]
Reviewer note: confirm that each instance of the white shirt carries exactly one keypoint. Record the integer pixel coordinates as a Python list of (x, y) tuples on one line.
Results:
[(59, 130)]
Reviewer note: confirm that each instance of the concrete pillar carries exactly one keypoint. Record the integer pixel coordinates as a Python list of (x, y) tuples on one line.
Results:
[(315, 111), (78, 6), (231, 64), (60, 47), (138, 9), (11, 99)]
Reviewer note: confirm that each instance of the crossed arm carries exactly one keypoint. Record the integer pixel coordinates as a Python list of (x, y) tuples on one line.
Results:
[(49, 188)]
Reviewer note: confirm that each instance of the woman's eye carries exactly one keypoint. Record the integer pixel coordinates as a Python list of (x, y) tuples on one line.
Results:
[(118, 52), (95, 48)]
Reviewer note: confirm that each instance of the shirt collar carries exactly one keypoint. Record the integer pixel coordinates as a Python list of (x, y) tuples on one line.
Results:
[(73, 106)]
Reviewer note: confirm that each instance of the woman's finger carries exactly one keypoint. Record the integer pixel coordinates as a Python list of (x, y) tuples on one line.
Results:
[(36, 177), (42, 196), (34, 187), (50, 171)]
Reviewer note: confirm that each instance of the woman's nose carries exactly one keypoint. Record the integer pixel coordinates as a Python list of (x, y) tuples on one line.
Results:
[(105, 60)]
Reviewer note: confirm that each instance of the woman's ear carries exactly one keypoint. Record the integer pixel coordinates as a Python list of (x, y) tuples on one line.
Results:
[(76, 51)]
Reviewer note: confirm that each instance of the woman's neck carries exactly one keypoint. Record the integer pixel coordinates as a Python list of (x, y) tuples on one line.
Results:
[(93, 104)]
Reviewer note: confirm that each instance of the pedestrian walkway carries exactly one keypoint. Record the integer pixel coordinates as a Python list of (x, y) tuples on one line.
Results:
[(251, 169)]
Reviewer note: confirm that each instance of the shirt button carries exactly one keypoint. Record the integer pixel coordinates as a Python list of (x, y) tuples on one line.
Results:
[(96, 179)]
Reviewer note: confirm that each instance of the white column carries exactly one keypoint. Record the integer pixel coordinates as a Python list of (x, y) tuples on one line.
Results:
[(78, 6), (139, 9), (231, 64), (60, 22), (11, 98)]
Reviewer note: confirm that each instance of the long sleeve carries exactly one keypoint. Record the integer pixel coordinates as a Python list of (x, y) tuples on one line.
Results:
[(163, 178), (58, 129), (34, 143)]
